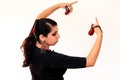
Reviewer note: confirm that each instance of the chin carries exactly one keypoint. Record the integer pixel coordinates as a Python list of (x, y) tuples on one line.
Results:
[(53, 44)]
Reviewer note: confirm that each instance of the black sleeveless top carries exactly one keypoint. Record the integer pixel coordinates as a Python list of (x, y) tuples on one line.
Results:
[(50, 65)]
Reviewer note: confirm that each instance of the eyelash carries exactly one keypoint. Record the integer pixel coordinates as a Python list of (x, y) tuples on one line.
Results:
[(54, 34)]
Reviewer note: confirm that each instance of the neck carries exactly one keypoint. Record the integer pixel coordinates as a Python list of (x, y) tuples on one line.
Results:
[(42, 46)]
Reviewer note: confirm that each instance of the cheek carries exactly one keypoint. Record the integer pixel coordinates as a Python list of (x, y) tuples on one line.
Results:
[(51, 41)]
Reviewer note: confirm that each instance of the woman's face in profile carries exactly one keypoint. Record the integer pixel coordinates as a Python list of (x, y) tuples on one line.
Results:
[(52, 37)]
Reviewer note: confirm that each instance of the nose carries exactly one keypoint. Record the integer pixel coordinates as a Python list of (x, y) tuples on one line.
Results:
[(58, 36)]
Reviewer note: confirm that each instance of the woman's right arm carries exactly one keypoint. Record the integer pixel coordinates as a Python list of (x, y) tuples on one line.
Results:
[(53, 8), (92, 56)]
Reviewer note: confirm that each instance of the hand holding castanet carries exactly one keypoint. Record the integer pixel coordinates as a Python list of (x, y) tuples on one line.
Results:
[(91, 31), (69, 7)]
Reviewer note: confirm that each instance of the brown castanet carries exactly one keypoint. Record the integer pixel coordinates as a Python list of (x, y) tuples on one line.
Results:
[(91, 31), (67, 10)]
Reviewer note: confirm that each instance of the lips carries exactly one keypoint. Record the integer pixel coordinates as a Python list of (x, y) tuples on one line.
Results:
[(57, 41)]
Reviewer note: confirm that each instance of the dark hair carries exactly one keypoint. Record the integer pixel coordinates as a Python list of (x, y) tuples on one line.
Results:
[(41, 26)]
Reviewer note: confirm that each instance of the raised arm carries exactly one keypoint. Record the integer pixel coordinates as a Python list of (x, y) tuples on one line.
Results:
[(53, 8), (92, 56)]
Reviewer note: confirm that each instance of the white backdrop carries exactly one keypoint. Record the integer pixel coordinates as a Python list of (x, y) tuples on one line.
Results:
[(17, 18)]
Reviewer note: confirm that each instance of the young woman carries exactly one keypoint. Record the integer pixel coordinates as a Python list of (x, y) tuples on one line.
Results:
[(45, 64)]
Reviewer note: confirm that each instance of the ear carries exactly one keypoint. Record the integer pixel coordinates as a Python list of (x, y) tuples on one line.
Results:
[(42, 37)]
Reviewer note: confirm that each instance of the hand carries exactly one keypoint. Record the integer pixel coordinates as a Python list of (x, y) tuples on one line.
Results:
[(63, 5), (97, 28)]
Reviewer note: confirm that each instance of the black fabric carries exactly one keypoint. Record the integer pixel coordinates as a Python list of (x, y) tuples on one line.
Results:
[(50, 65)]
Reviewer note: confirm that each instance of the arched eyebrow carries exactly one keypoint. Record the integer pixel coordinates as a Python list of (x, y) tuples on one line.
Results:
[(54, 33)]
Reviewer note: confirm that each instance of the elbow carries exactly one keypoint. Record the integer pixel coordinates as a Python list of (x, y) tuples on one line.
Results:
[(90, 63)]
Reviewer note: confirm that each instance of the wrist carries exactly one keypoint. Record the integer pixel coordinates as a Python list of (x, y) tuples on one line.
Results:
[(62, 5), (100, 35)]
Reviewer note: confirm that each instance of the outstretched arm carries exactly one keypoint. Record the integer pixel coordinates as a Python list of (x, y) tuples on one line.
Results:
[(92, 56), (53, 8)]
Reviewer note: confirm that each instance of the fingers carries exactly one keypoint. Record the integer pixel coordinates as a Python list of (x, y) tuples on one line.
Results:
[(73, 2), (97, 23), (69, 7)]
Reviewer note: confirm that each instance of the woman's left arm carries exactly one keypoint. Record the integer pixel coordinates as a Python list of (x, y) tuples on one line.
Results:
[(53, 8)]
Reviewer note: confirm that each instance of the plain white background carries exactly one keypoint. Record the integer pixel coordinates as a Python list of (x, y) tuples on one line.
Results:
[(17, 18)]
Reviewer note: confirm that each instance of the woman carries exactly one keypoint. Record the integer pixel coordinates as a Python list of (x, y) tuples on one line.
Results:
[(45, 64)]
